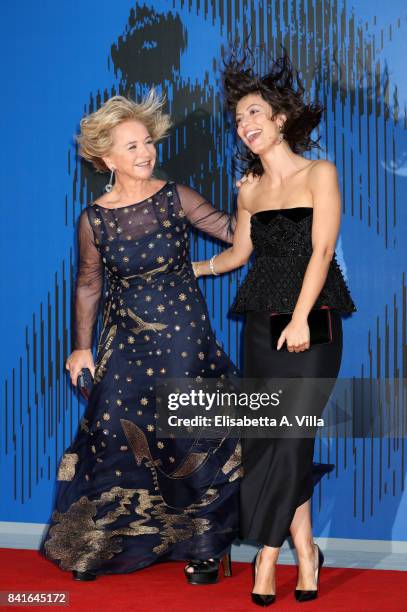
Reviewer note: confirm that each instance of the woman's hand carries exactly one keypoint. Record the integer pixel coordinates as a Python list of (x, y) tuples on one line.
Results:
[(81, 358), (297, 336)]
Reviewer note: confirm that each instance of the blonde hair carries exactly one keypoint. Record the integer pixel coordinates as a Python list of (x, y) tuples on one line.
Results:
[(96, 139)]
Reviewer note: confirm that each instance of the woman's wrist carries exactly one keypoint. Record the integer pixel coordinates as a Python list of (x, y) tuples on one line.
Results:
[(201, 268), (299, 317)]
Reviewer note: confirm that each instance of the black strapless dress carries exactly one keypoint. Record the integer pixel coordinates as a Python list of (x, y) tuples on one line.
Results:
[(279, 474)]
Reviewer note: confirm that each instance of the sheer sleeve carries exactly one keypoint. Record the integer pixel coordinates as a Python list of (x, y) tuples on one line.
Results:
[(204, 216), (89, 284)]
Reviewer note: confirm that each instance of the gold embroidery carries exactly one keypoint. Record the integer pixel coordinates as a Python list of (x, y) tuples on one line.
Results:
[(144, 325), (137, 441), (82, 542), (101, 366), (191, 463), (233, 462), (109, 338), (145, 275), (66, 470), (78, 540)]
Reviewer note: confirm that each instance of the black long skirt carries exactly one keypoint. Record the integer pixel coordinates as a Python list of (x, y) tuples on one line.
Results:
[(278, 472)]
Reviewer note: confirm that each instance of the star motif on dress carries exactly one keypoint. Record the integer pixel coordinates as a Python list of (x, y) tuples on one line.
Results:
[(149, 371), (130, 340), (148, 298), (124, 447), (97, 221), (166, 223), (201, 355), (144, 401), (171, 459), (160, 259), (93, 448), (118, 473), (182, 297), (119, 402), (138, 362), (160, 444), (111, 223), (187, 307), (163, 371), (106, 416), (150, 427), (184, 354), (160, 308)]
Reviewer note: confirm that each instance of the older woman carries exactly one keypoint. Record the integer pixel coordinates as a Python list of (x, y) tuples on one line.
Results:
[(126, 498)]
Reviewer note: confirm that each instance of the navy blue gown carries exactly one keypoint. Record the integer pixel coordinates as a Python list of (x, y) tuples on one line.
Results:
[(126, 498)]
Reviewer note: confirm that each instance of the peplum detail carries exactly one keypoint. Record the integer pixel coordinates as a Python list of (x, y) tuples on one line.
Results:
[(283, 247)]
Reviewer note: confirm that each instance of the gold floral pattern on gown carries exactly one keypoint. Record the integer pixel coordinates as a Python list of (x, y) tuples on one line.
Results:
[(125, 497)]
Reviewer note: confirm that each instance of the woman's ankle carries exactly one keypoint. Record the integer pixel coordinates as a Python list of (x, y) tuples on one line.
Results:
[(305, 550)]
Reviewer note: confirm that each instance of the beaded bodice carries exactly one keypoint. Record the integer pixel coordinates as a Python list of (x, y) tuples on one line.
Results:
[(282, 243)]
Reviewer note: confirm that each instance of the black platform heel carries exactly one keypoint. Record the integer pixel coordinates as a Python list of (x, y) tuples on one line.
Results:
[(302, 595), (207, 572), (84, 576), (257, 598)]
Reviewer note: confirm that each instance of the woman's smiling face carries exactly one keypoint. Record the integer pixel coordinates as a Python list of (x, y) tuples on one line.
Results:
[(254, 124), (133, 152)]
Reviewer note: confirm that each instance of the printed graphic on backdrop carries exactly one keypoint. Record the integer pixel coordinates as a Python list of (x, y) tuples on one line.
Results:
[(350, 58)]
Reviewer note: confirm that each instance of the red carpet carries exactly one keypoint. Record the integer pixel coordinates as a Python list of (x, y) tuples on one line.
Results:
[(163, 587)]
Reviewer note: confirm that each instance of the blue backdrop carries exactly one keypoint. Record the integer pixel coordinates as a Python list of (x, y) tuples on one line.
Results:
[(61, 59)]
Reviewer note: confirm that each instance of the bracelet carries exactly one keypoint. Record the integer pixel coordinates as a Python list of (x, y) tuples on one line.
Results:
[(211, 266), (195, 267)]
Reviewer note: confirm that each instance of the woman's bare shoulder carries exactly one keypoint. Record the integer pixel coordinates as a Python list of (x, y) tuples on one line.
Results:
[(247, 192), (322, 167)]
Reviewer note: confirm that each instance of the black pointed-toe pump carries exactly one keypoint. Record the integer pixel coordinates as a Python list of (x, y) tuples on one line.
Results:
[(258, 598), (308, 595)]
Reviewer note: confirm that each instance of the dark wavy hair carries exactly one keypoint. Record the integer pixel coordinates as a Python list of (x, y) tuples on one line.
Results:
[(278, 90)]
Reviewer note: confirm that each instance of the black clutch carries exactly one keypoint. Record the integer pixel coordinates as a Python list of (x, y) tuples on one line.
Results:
[(85, 382), (319, 322)]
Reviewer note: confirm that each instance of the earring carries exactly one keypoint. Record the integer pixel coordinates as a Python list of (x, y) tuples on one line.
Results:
[(109, 186), (281, 135)]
